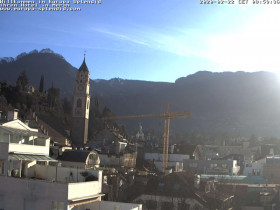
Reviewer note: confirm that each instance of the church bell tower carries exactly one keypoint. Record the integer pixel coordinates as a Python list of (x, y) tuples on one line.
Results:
[(80, 107)]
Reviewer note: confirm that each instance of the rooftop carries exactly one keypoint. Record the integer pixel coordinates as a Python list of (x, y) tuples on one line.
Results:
[(22, 132), (83, 67), (75, 155)]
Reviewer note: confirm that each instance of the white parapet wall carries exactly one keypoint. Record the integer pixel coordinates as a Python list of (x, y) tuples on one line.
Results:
[(30, 149), (83, 189), (21, 193), (63, 174), (77, 187)]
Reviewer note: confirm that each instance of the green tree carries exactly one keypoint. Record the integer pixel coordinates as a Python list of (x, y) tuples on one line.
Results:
[(22, 80), (4, 106), (53, 97)]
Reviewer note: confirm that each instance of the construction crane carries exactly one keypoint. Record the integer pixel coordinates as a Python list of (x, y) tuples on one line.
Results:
[(167, 116)]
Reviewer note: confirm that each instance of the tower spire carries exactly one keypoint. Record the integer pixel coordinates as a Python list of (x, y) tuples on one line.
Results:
[(84, 67)]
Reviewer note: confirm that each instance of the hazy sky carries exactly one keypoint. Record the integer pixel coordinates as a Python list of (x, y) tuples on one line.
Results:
[(155, 40)]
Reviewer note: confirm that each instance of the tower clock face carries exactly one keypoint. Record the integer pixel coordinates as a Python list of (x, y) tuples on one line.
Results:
[(80, 87)]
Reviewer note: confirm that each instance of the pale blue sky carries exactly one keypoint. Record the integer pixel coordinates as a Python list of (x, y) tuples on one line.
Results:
[(154, 40)]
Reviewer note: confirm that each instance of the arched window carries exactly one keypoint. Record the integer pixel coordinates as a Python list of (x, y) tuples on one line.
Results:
[(79, 103), (88, 105)]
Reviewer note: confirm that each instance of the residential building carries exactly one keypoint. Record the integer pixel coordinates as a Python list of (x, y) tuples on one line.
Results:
[(125, 159), (271, 170), (29, 88), (252, 196), (222, 167), (254, 168), (267, 167), (175, 161), (30, 179), (206, 152), (181, 191)]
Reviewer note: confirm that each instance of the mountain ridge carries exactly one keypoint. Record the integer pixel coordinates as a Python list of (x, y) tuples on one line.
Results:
[(220, 102)]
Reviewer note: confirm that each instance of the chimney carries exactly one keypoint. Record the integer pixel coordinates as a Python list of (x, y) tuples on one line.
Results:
[(26, 122), (196, 181), (12, 115)]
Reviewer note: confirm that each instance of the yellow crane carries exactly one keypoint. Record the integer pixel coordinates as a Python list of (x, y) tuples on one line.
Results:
[(167, 116)]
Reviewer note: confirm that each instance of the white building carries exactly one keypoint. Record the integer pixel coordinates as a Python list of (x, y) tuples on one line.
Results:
[(174, 160), (222, 167), (28, 180)]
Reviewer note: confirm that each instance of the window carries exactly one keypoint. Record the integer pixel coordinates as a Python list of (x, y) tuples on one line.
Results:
[(176, 186), (79, 103), (256, 172), (41, 162), (213, 165), (224, 166), (160, 185), (2, 166), (193, 165)]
